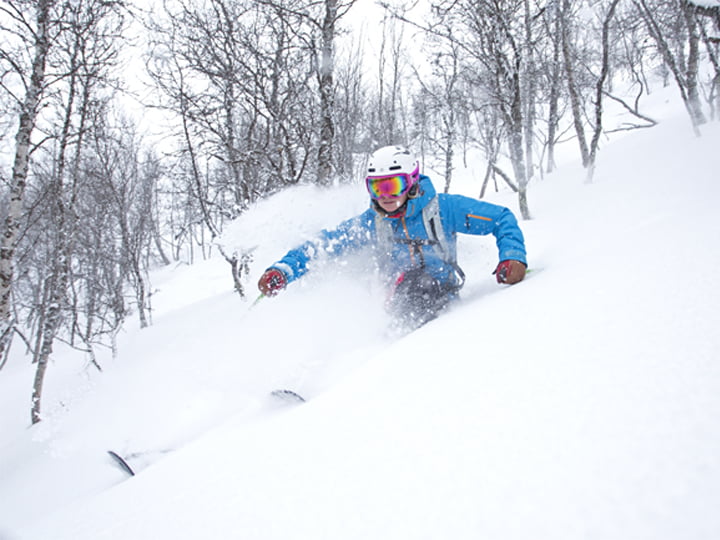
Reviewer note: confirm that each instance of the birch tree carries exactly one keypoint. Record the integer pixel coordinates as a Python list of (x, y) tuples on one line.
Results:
[(86, 52), (444, 103), (600, 87), (673, 23), (497, 44), (32, 23)]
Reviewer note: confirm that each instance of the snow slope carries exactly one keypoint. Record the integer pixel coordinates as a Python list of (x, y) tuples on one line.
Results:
[(582, 403)]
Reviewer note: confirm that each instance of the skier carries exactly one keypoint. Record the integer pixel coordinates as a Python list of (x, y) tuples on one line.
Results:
[(413, 232)]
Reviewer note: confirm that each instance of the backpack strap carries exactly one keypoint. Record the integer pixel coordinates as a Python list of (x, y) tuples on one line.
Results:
[(435, 238), (436, 233), (434, 229), (384, 232)]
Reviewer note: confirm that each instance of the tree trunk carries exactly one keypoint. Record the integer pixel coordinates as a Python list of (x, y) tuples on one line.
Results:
[(528, 92), (691, 77), (325, 75), (553, 115), (573, 91), (690, 98), (49, 332), (714, 98), (599, 91), (449, 150), (28, 115), (515, 143)]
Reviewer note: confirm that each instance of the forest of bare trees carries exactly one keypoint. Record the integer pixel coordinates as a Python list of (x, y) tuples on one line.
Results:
[(259, 95)]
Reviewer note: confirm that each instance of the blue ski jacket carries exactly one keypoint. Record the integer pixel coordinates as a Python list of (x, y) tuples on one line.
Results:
[(413, 239)]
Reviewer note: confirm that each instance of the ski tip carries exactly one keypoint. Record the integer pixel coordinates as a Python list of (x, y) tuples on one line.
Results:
[(120, 461), (288, 396)]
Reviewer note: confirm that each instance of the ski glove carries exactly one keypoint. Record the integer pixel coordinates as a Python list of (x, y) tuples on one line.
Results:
[(510, 272), (272, 282)]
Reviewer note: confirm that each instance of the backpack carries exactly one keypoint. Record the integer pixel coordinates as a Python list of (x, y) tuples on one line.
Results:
[(436, 238)]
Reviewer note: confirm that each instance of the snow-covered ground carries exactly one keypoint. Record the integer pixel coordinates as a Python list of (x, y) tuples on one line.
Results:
[(583, 403)]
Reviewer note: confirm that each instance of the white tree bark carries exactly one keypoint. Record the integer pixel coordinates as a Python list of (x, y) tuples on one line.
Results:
[(28, 116)]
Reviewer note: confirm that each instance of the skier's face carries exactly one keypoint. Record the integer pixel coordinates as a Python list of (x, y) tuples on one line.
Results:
[(391, 204)]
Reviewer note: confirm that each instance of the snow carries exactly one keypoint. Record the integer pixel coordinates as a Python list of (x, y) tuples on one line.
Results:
[(707, 3), (582, 403)]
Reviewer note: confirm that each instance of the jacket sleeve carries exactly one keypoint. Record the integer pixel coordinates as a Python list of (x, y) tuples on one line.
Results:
[(350, 235), (471, 216)]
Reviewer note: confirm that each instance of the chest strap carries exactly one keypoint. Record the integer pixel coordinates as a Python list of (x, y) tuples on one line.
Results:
[(435, 238)]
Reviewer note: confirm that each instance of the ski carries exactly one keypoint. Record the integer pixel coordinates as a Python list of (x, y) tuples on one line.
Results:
[(120, 461), (287, 396)]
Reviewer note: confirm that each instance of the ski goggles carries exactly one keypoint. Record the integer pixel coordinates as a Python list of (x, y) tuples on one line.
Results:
[(389, 186)]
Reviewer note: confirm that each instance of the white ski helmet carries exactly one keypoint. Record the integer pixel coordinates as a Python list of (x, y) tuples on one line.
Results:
[(390, 160)]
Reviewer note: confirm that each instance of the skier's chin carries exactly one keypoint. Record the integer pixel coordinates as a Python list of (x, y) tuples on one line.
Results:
[(390, 205)]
